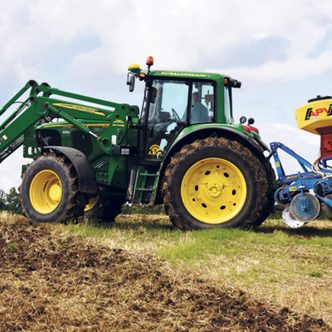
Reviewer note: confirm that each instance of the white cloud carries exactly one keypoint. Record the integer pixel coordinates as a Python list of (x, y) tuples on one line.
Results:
[(293, 69)]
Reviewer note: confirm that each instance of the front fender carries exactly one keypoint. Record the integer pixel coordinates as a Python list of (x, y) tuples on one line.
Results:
[(85, 172)]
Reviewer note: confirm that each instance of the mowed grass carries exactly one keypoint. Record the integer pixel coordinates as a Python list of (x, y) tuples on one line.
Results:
[(286, 267)]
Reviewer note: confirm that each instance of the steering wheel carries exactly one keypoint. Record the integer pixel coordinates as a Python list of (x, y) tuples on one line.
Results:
[(175, 115)]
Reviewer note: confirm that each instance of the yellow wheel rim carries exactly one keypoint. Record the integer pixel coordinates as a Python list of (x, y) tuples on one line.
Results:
[(213, 190), (45, 191), (91, 204)]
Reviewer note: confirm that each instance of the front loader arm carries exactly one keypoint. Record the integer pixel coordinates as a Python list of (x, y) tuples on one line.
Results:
[(39, 108), (24, 117)]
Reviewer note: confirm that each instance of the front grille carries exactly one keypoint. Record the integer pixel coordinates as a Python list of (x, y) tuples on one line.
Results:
[(47, 137)]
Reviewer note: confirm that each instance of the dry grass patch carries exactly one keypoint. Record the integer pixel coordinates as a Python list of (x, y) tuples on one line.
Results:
[(50, 281)]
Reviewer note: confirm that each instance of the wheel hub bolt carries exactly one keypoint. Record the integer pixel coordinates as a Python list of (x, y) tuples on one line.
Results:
[(214, 190)]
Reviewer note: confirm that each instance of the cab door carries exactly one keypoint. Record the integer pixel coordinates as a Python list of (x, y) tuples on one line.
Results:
[(172, 104), (166, 115)]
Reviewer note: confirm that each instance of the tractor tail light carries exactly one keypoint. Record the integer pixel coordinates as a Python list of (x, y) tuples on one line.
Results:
[(246, 128), (254, 129)]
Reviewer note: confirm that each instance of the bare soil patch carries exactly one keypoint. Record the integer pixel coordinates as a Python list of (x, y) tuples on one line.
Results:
[(49, 281)]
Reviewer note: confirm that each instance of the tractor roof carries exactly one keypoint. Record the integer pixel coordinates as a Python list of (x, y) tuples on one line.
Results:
[(186, 74)]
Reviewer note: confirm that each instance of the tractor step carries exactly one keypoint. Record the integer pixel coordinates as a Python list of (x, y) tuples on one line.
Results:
[(144, 186), (145, 189), (147, 174)]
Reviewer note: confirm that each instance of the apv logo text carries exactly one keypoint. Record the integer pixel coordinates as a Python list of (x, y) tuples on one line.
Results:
[(314, 113)]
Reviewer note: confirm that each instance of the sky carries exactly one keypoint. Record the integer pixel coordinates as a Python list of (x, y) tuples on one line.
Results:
[(280, 50)]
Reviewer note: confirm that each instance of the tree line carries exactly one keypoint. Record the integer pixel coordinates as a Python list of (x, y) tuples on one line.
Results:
[(10, 201)]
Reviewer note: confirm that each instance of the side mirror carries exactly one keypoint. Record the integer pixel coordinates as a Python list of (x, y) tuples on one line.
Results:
[(235, 83), (243, 119), (131, 81)]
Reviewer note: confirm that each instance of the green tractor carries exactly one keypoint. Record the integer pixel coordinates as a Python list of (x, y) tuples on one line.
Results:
[(182, 149)]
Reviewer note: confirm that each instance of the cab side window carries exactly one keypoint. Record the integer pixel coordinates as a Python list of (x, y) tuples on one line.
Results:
[(202, 103)]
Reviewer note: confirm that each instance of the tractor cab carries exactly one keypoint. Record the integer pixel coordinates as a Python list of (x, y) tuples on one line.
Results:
[(174, 100)]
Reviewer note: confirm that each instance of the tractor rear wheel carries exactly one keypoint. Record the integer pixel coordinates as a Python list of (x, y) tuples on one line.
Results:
[(216, 182), (269, 201), (103, 208), (49, 191)]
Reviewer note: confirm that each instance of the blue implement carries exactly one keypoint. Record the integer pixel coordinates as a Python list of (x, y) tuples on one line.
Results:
[(304, 192)]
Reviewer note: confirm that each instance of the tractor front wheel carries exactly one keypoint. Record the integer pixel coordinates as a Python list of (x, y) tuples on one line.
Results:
[(215, 182), (49, 190), (103, 208)]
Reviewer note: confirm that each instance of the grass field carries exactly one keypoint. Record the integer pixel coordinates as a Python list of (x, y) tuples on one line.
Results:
[(285, 267)]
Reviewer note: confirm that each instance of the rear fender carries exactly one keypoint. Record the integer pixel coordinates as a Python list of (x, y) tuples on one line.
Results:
[(85, 172), (257, 147)]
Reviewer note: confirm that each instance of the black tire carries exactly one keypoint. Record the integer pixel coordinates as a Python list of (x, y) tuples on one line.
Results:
[(37, 201), (253, 200), (105, 209), (269, 198)]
